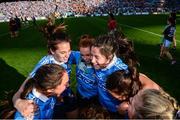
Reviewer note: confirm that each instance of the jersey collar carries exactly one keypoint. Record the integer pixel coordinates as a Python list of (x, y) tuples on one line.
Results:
[(55, 61), (111, 63), (39, 95)]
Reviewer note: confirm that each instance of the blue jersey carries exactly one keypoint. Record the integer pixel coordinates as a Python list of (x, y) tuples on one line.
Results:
[(107, 100), (50, 59), (45, 106), (169, 32), (86, 79)]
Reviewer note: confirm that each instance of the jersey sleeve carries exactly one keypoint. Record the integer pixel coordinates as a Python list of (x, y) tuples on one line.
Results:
[(74, 57), (43, 61)]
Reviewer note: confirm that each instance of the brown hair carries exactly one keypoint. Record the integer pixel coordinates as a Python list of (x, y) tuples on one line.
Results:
[(125, 48), (172, 21), (86, 41), (126, 52), (107, 45), (124, 83), (58, 35), (47, 77)]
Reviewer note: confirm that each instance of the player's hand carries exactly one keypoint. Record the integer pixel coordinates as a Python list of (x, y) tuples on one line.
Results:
[(25, 107)]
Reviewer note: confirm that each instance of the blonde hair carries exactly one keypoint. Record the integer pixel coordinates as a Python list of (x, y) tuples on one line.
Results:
[(155, 104)]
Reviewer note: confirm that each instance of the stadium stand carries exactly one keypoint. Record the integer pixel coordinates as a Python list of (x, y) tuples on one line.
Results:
[(66, 8)]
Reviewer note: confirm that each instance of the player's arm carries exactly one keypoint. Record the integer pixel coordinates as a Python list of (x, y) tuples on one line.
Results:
[(147, 83), (25, 107), (74, 57)]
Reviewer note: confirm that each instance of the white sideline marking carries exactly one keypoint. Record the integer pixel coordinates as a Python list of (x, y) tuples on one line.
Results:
[(145, 31)]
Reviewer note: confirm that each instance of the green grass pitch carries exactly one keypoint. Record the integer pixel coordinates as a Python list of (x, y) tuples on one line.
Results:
[(19, 55)]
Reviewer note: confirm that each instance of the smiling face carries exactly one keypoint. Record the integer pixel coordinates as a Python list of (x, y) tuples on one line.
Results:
[(62, 52), (85, 54), (99, 61)]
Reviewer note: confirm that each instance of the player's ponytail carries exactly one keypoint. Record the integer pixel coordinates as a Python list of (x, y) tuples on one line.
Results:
[(58, 36), (27, 88), (126, 52), (125, 83)]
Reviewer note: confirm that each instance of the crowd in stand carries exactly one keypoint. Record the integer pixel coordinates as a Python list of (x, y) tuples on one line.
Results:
[(77, 7), (26, 9)]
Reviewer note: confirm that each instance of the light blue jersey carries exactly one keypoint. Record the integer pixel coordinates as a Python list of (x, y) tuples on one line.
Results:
[(50, 59), (45, 106), (85, 75), (107, 100), (86, 79)]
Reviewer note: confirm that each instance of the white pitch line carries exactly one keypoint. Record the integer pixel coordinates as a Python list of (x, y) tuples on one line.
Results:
[(145, 31)]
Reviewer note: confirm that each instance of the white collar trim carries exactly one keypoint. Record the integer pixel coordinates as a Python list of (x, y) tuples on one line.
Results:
[(39, 95), (55, 61), (111, 63)]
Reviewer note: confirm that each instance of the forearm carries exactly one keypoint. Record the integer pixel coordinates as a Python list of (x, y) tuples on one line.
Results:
[(24, 106), (17, 96)]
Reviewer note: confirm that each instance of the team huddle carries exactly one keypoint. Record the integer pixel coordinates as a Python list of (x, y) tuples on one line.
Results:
[(106, 76)]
